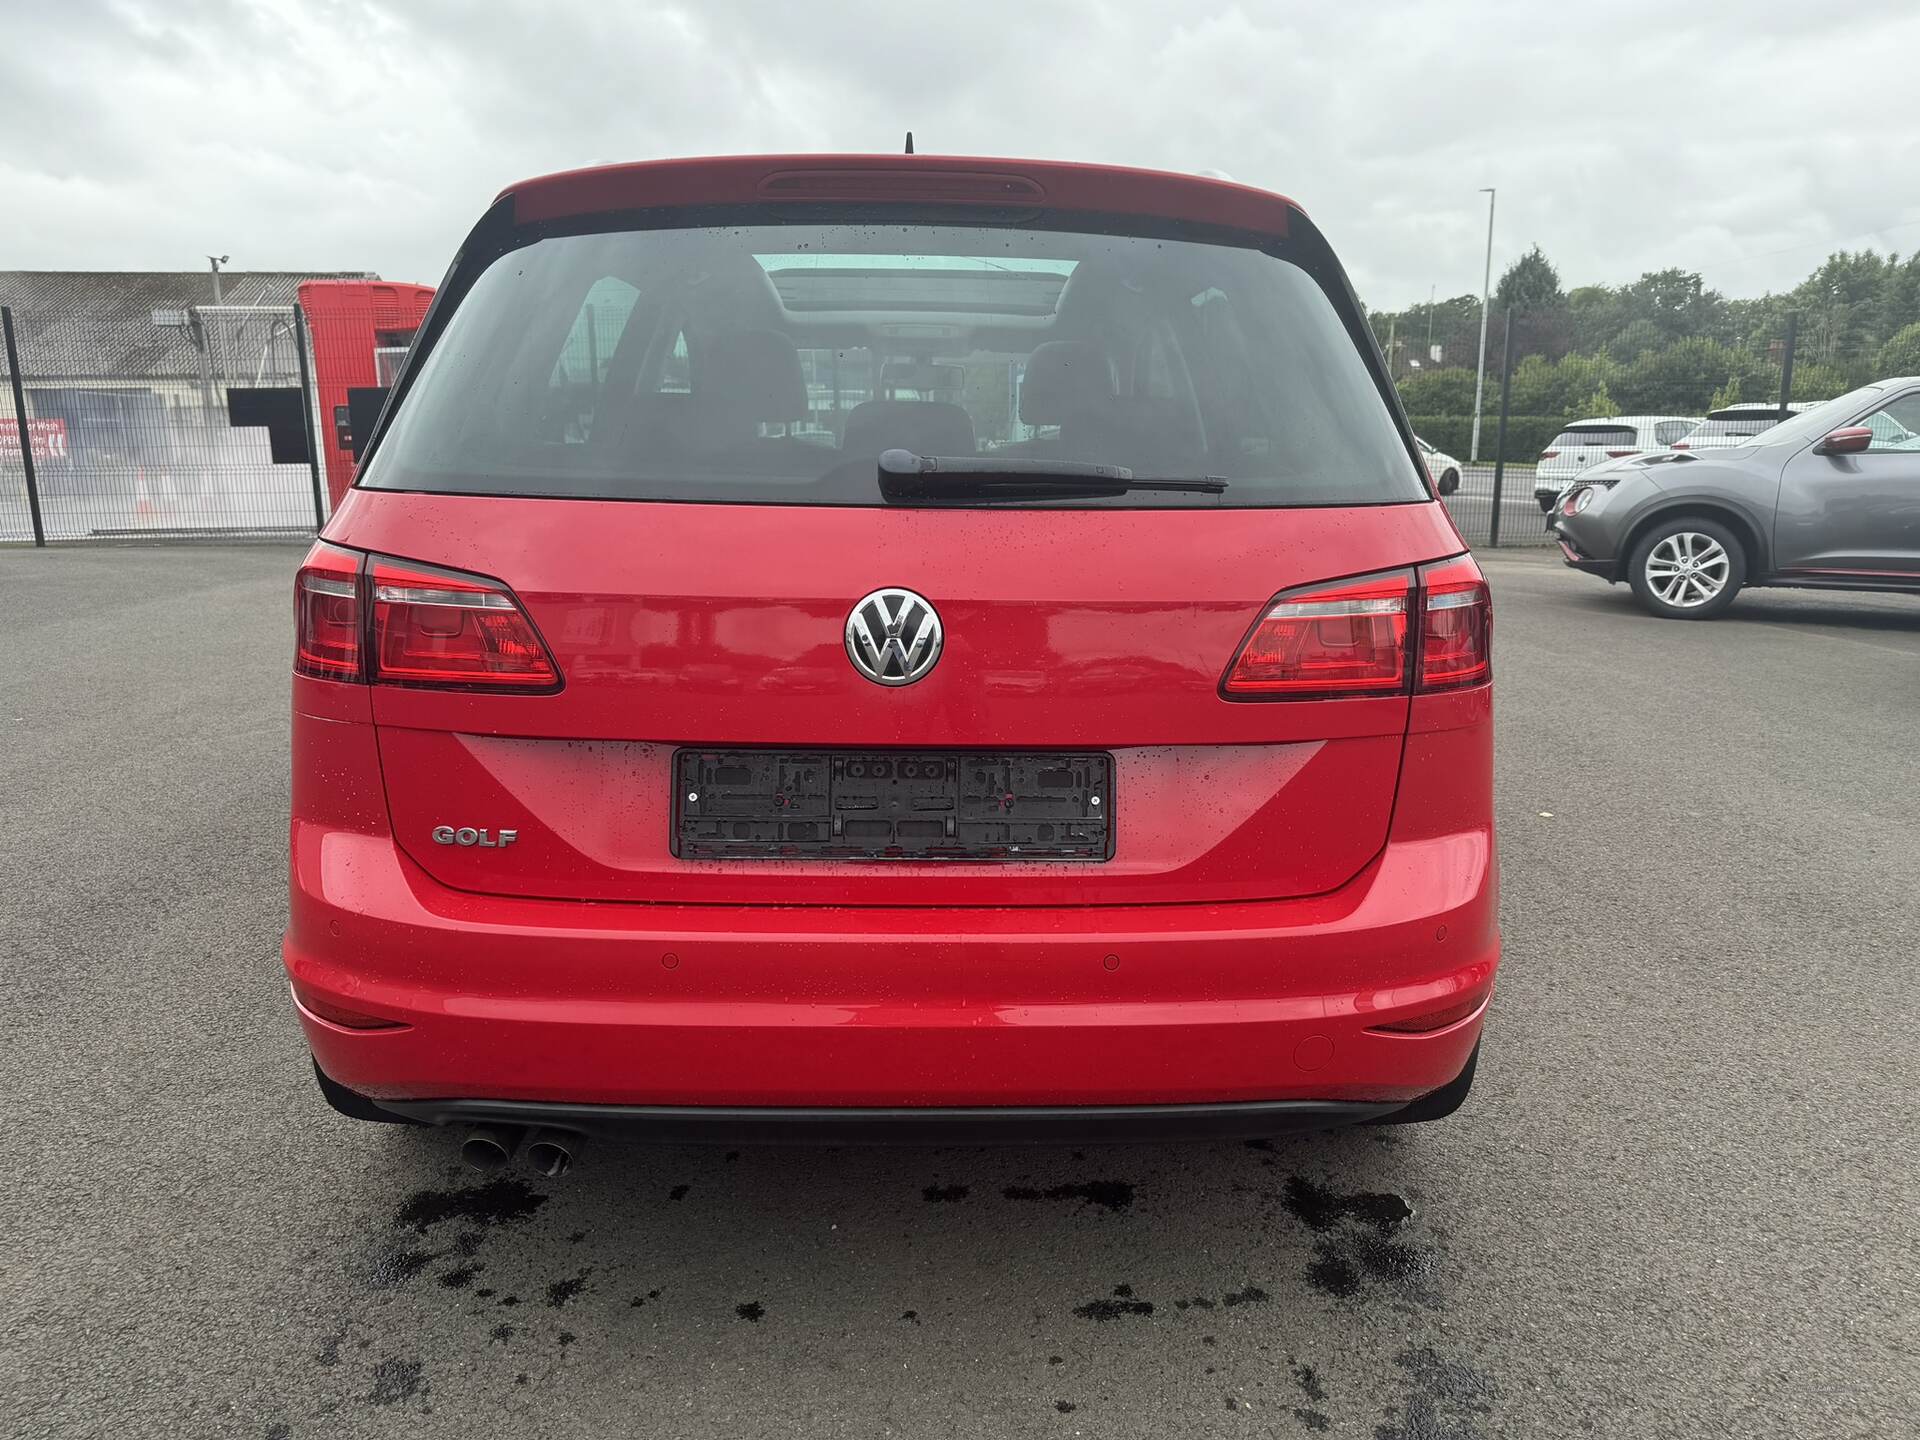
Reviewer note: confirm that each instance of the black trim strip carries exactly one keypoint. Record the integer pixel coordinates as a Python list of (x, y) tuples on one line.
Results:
[(989, 1125)]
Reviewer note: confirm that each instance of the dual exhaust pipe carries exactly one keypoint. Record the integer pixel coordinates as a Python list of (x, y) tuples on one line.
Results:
[(490, 1149)]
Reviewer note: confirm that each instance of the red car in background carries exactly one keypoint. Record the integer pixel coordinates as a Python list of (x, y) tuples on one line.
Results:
[(891, 647)]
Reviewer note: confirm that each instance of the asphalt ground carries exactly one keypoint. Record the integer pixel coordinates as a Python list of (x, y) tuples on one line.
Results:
[(1680, 1202)]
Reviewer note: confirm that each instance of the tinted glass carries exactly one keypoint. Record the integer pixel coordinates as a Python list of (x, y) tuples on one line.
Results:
[(1604, 437), (774, 363), (1896, 426), (1810, 425), (1740, 427)]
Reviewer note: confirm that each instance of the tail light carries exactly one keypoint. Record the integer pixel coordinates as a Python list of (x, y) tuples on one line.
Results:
[(1456, 625), (373, 619), (1381, 634), (448, 629), (1681, 445), (1620, 454), (1349, 638), (1549, 454), (326, 608)]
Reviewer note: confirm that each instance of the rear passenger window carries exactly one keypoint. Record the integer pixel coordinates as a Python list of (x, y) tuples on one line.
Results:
[(1668, 431), (580, 373)]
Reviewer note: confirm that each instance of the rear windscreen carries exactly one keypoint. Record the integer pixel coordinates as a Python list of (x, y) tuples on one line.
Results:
[(1611, 437), (774, 363), (1738, 427)]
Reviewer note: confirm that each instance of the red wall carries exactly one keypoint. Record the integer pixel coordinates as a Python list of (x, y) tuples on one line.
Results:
[(348, 319)]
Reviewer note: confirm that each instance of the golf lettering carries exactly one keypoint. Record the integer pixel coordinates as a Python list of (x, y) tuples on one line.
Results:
[(467, 835)]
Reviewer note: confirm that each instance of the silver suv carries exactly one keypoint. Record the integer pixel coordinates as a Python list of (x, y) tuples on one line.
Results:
[(1829, 498)]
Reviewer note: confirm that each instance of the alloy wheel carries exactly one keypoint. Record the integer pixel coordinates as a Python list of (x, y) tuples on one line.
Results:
[(1687, 569)]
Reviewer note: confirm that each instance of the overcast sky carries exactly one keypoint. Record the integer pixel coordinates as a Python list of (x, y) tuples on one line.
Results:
[(1741, 138)]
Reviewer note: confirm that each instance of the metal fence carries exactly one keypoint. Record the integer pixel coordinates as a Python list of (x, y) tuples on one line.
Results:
[(106, 439), (1473, 507)]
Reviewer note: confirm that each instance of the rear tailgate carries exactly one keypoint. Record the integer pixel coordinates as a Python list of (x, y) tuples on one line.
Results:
[(720, 626)]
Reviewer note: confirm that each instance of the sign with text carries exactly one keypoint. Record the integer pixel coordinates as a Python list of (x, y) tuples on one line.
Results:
[(49, 439)]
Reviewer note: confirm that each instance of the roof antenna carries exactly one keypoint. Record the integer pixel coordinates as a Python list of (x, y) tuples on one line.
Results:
[(909, 142)]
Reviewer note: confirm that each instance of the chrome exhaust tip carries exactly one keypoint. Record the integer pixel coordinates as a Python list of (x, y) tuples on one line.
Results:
[(552, 1152), (488, 1148)]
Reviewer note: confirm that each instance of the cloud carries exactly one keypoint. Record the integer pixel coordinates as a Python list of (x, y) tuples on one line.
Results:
[(1740, 139)]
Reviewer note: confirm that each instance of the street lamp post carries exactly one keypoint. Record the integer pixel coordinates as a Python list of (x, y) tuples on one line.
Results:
[(216, 261), (1486, 290)]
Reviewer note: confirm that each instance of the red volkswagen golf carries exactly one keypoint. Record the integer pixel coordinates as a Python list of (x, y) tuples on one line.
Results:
[(870, 647)]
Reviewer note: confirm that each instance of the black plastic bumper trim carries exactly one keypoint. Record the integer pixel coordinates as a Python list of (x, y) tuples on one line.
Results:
[(907, 1125)]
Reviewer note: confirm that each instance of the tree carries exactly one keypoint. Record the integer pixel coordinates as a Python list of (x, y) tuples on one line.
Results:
[(1677, 380), (1901, 354), (1600, 403), (1673, 300), (1635, 340), (1665, 343), (1530, 283), (1818, 382), (1447, 391)]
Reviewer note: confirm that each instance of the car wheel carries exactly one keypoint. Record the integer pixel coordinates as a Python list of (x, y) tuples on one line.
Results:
[(1687, 569), (1449, 482), (1545, 502)]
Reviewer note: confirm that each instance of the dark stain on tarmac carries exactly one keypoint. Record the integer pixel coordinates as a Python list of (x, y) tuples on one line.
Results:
[(498, 1202), (1320, 1208), (1447, 1400), (395, 1380), (1113, 1195), (1122, 1303), (395, 1265)]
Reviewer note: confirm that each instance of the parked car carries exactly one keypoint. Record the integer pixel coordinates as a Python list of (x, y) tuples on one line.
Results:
[(1444, 469), (1587, 443), (1827, 499), (1734, 425), (662, 771)]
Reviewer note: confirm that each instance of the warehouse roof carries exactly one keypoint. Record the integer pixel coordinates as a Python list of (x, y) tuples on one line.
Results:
[(99, 324)]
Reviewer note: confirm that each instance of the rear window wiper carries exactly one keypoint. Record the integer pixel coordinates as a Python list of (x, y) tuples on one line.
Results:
[(906, 477)]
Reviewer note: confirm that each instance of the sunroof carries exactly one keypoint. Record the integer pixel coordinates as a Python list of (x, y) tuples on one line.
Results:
[(944, 283), (1016, 264)]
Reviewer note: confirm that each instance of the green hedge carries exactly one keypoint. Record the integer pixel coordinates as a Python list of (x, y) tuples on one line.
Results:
[(1527, 435)]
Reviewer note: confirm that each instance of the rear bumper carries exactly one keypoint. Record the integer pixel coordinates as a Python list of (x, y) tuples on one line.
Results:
[(656, 1007), (565, 1004)]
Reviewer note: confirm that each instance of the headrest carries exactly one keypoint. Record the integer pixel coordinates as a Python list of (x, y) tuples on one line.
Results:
[(1066, 380), (748, 377), (926, 427)]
